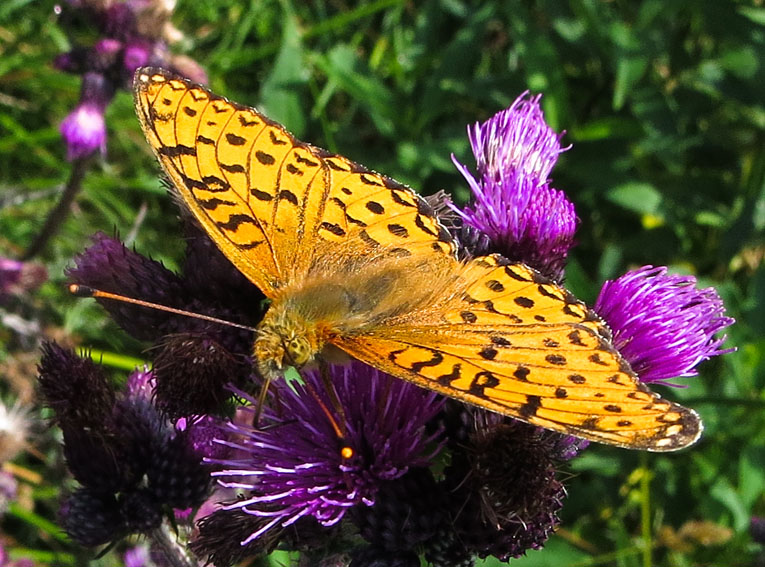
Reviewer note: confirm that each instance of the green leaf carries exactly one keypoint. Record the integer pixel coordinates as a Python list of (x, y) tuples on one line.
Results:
[(345, 69), (636, 196), (629, 70), (280, 93)]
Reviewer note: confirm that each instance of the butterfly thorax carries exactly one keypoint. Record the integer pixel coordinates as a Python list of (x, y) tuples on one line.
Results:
[(299, 325), (304, 319)]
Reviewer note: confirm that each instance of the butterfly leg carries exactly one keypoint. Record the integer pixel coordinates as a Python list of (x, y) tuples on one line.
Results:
[(267, 377), (332, 393)]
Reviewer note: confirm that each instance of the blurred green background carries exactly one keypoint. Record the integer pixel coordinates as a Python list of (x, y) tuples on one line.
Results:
[(662, 102)]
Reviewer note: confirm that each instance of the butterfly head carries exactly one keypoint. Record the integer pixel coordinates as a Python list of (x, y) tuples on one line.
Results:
[(284, 341)]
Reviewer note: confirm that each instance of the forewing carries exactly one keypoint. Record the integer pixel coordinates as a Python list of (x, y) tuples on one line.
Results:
[(514, 343), (271, 203)]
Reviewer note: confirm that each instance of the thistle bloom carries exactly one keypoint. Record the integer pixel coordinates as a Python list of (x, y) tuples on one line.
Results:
[(195, 359), (524, 218), (132, 33), (133, 466), (84, 131), (663, 325), (17, 277), (295, 465)]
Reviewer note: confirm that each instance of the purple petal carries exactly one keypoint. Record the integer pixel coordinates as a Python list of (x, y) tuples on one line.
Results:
[(513, 204), (293, 464), (662, 323)]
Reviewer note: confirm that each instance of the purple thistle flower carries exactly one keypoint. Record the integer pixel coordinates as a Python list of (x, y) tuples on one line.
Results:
[(293, 464), (137, 54), (129, 34), (663, 325), (18, 277), (84, 129), (523, 217)]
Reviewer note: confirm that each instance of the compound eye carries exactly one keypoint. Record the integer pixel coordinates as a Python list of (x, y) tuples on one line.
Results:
[(298, 351)]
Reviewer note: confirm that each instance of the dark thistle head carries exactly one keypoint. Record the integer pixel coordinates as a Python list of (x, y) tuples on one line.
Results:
[(194, 360), (133, 466)]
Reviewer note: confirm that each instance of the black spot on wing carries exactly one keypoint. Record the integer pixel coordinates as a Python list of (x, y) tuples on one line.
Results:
[(398, 230), (333, 228), (332, 164), (595, 359), (488, 353), (368, 240), (369, 180), (522, 373), (214, 203), (447, 379), (306, 161), (525, 302), (436, 359), (215, 184), (423, 227), (178, 150), (260, 195), (286, 195), (556, 359), (235, 221), (375, 207), (264, 158), (482, 381), (275, 140), (529, 409), (232, 168), (247, 123), (575, 338), (468, 316), (400, 200)]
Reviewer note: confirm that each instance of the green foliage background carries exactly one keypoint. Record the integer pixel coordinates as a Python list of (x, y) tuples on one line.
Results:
[(663, 104)]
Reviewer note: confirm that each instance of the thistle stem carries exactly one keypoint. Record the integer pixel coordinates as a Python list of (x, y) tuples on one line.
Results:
[(61, 210), (175, 552), (645, 511)]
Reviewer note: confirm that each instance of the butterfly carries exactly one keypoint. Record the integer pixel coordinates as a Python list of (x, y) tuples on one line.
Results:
[(357, 264)]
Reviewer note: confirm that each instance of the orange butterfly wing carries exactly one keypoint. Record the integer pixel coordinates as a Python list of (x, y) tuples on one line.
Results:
[(512, 342), (269, 201)]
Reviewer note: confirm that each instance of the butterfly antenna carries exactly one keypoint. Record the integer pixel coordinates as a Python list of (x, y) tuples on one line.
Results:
[(85, 291)]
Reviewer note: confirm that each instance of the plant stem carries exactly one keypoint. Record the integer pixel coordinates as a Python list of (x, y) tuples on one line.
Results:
[(61, 210), (175, 552), (645, 511)]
